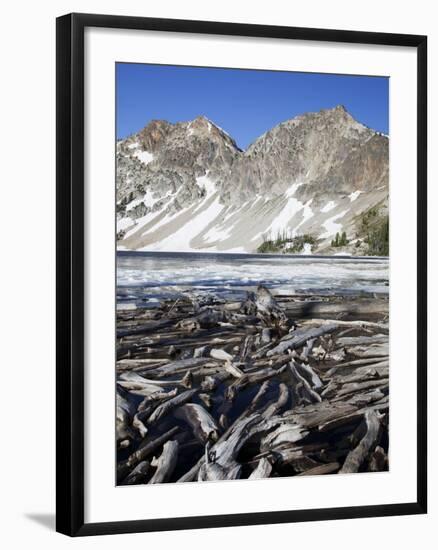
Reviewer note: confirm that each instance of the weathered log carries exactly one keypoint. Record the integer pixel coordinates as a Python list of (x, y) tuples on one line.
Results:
[(339, 385), (203, 425), (167, 406), (220, 354), (375, 362), (322, 469), (165, 463), (265, 374), (356, 457), (285, 433), (233, 369), (206, 399), (309, 374), (152, 326), (212, 382), (138, 474), (208, 318), (301, 386), (125, 410), (267, 306), (145, 364), (222, 456), (133, 382), (353, 366), (366, 398), (155, 397), (216, 472), (378, 461), (181, 365), (123, 468), (228, 365), (240, 424), (138, 422), (303, 464), (246, 347), (187, 380), (147, 406), (263, 470), (361, 340), (307, 349), (136, 380), (279, 404), (289, 454), (351, 418), (258, 397), (199, 352), (253, 378), (192, 474), (299, 337), (365, 352), (361, 386), (306, 308), (381, 406), (340, 323), (223, 422), (318, 414), (362, 374)]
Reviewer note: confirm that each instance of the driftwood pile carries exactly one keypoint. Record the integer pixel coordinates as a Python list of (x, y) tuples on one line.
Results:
[(267, 387)]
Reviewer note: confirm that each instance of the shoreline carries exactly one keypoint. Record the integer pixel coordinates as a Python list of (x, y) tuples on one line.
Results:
[(248, 254)]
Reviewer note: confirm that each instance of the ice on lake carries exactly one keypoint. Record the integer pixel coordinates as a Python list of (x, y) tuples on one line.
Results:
[(153, 275)]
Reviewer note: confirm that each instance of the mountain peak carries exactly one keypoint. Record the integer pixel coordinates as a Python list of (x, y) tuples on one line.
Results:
[(311, 171), (157, 123), (200, 122), (202, 119), (339, 111), (154, 134)]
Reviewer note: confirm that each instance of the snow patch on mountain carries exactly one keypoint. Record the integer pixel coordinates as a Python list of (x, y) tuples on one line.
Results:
[(179, 240), (331, 226), (124, 223), (353, 196), (291, 207), (307, 249), (205, 183), (327, 207), (307, 214), (144, 156)]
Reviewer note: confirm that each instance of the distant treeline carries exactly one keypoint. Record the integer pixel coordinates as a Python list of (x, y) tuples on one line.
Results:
[(284, 243), (375, 231)]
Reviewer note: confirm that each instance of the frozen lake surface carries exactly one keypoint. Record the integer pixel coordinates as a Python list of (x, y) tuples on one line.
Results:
[(145, 277)]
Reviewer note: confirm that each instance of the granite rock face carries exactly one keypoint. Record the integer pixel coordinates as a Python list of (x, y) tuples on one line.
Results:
[(187, 186)]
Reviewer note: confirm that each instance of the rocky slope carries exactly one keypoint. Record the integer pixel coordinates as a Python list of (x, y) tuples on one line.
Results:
[(187, 186)]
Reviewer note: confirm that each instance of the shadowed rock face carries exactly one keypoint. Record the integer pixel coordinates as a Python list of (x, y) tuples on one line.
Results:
[(313, 174)]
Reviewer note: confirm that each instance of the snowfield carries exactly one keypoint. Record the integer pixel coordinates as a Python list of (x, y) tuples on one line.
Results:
[(208, 225)]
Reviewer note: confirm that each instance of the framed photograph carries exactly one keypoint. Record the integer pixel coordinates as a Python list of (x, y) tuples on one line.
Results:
[(241, 274)]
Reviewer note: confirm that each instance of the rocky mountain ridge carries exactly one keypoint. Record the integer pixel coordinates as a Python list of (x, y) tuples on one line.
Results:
[(187, 186)]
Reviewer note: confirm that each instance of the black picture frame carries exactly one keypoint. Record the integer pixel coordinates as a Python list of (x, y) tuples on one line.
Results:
[(70, 273)]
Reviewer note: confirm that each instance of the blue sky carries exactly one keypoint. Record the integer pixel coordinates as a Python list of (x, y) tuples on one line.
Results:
[(245, 103)]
